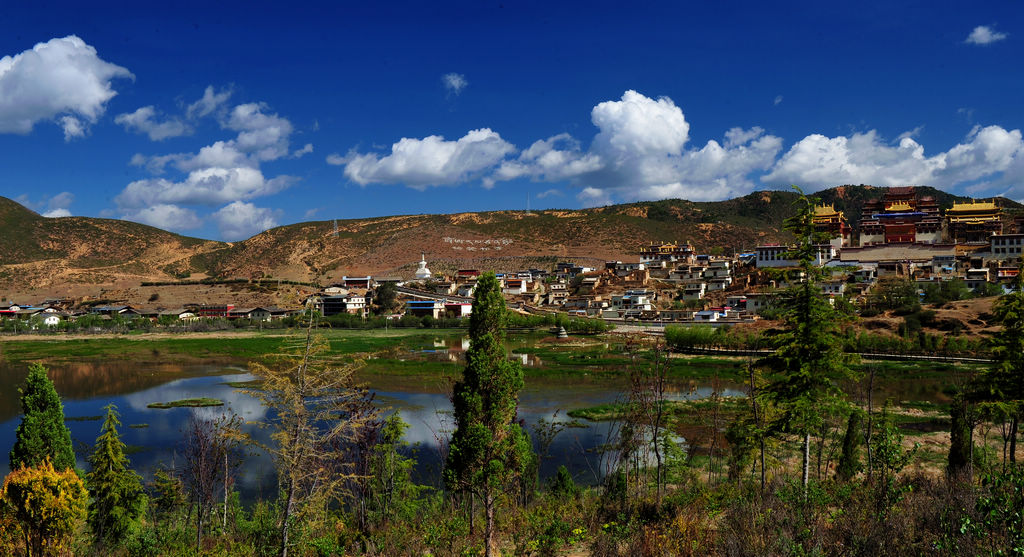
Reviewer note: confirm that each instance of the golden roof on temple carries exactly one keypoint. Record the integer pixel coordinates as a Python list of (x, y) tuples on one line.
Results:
[(900, 208), (826, 210), (973, 206)]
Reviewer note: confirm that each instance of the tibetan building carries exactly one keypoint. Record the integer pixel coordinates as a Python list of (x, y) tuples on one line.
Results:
[(668, 253), (833, 223), (900, 216), (974, 222)]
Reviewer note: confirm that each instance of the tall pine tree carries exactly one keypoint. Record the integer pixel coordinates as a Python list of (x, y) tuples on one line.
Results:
[(42, 434), (1004, 382), (808, 359), (489, 451), (117, 497)]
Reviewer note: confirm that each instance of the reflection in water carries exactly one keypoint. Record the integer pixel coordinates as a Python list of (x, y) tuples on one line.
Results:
[(87, 387)]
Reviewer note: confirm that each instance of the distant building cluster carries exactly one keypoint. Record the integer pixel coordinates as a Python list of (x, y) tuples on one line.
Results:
[(901, 234)]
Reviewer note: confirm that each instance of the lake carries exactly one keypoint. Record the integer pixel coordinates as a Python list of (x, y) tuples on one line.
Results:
[(573, 380)]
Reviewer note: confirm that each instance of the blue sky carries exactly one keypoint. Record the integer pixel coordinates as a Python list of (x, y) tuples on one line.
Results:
[(219, 120)]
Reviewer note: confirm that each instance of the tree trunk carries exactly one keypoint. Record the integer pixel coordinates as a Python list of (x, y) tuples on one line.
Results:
[(225, 524), (867, 435), (489, 541), (199, 530), (288, 507), (807, 462), (1013, 440), (757, 420)]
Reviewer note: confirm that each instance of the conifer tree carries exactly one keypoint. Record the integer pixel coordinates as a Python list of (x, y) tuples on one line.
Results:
[(489, 451), (1004, 382), (808, 358), (116, 490), (42, 434)]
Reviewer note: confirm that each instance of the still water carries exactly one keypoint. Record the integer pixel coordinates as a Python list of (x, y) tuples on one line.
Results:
[(154, 435)]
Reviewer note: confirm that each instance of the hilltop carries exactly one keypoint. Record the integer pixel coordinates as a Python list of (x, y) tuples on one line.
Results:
[(74, 255)]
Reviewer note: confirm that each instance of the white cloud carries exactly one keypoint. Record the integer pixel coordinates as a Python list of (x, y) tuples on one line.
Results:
[(72, 127), (549, 193), (454, 82), (335, 159), (641, 144), (983, 34), (778, 100), (641, 151), (817, 161), (549, 160), (51, 206), (593, 197), (165, 216), (204, 186), (226, 171), (211, 102), (637, 126), (61, 80), (430, 161), (144, 120), (240, 220)]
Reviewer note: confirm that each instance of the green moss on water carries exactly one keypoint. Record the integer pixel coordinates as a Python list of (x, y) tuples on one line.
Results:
[(187, 403), (254, 384)]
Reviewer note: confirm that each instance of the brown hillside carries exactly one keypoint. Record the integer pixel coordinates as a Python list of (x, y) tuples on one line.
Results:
[(77, 254)]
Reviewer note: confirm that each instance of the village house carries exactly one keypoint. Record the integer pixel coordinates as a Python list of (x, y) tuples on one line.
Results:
[(514, 287), (695, 290), (1006, 246), (444, 288), (422, 308), (666, 254), (557, 294), (350, 303), (976, 278), (458, 309)]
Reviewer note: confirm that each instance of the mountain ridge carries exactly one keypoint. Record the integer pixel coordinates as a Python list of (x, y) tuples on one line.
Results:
[(42, 252)]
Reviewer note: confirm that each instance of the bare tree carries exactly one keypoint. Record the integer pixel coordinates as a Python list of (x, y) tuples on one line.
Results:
[(201, 470), (317, 411)]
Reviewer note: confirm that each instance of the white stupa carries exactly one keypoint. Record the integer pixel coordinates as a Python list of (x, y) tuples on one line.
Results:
[(423, 273)]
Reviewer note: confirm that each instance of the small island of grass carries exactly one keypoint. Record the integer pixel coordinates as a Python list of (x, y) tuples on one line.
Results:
[(187, 403)]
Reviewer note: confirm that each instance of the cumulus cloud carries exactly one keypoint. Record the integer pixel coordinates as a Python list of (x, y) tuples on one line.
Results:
[(642, 150), (817, 161), (983, 34), (211, 102), (454, 82), (431, 161), (145, 120), (641, 143), (240, 220), (205, 186), (62, 80), (226, 171), (165, 216), (58, 205), (49, 206), (549, 160)]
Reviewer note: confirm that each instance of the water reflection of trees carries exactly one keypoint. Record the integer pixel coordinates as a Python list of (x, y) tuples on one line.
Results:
[(75, 381)]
